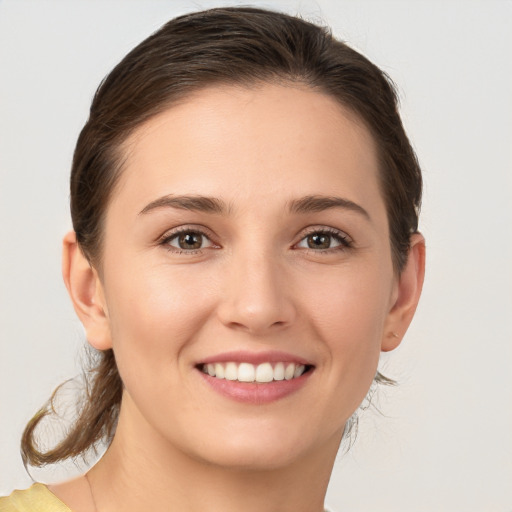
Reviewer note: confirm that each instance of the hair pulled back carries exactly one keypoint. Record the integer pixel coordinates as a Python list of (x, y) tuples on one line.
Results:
[(237, 46)]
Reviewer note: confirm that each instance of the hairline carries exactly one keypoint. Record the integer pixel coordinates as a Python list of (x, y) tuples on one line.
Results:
[(126, 141)]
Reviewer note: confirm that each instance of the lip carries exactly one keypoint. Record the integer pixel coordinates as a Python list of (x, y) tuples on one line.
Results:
[(255, 393), (255, 358)]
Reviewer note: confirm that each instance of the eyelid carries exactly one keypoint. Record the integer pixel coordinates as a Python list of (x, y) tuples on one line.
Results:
[(345, 241), (187, 228)]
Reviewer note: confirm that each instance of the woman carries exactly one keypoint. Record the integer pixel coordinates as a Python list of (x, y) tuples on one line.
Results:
[(244, 202)]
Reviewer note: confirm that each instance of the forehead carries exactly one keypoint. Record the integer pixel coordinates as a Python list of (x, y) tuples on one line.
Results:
[(263, 143)]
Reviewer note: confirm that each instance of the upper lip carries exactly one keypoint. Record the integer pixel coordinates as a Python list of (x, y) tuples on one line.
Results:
[(255, 358)]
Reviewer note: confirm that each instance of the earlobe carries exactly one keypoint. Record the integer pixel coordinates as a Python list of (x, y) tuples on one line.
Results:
[(407, 295), (86, 292)]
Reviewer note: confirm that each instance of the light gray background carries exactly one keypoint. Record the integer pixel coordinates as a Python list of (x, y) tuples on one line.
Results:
[(444, 442)]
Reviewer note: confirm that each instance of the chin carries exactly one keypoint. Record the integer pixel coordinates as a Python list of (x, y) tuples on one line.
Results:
[(264, 448), (251, 458)]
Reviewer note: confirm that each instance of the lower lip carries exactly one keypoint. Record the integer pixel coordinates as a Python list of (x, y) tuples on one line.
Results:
[(256, 392)]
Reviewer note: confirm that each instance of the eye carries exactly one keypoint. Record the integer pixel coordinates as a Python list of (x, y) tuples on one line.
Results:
[(188, 240), (322, 240)]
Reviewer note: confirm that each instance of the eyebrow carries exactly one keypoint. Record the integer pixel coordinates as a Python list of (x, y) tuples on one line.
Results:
[(195, 203), (206, 204), (317, 203)]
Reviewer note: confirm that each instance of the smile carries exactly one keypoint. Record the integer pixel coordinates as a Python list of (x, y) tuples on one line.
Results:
[(261, 373), (255, 378)]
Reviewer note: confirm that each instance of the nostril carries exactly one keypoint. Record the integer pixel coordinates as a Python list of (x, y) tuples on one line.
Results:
[(256, 304)]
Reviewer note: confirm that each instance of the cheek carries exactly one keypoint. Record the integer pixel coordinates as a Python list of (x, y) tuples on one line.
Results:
[(155, 313), (348, 312), (351, 300)]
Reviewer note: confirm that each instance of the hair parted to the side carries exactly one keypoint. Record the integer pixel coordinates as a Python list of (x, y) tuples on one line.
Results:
[(237, 46)]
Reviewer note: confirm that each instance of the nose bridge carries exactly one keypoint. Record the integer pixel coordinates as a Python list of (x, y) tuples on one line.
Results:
[(256, 297)]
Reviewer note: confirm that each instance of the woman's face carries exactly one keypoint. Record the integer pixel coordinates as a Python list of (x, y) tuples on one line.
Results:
[(247, 238)]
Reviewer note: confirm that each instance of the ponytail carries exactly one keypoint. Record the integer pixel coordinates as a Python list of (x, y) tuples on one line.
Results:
[(96, 420)]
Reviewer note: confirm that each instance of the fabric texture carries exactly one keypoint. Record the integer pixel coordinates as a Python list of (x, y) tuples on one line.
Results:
[(34, 499)]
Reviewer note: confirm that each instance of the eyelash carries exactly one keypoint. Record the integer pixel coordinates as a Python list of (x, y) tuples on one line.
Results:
[(345, 242), (168, 237), (342, 238)]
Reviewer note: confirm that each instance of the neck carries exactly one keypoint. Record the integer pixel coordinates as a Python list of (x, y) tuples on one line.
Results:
[(153, 475)]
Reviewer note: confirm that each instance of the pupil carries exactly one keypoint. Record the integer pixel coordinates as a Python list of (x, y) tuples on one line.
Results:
[(190, 241), (319, 241)]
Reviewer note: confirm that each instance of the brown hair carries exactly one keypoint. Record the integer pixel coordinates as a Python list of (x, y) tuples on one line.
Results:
[(219, 46)]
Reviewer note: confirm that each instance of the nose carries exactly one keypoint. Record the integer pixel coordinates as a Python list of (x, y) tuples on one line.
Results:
[(257, 295)]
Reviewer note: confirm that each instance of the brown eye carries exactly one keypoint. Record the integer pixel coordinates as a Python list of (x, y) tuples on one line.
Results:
[(319, 241), (324, 240), (189, 241)]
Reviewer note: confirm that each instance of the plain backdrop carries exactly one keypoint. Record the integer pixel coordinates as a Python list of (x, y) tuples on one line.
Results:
[(444, 439)]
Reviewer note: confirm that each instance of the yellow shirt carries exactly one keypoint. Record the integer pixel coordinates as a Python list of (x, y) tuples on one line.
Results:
[(34, 499)]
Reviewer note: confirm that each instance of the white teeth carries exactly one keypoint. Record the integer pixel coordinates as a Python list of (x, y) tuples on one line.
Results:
[(219, 371), (246, 372), (299, 370), (289, 371), (231, 372), (279, 371), (264, 373)]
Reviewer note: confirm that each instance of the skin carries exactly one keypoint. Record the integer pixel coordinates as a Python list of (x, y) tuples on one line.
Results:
[(255, 285)]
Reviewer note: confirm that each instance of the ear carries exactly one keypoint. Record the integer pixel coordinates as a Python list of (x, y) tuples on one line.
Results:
[(86, 293), (406, 295)]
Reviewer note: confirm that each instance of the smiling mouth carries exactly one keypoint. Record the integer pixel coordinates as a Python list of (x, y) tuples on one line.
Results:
[(261, 373)]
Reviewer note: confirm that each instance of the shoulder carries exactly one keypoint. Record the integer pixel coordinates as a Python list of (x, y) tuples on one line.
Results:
[(34, 499)]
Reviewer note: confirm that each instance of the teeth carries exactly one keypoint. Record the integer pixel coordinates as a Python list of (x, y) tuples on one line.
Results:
[(246, 372), (264, 373), (299, 370), (279, 371), (231, 372), (219, 371), (289, 372)]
